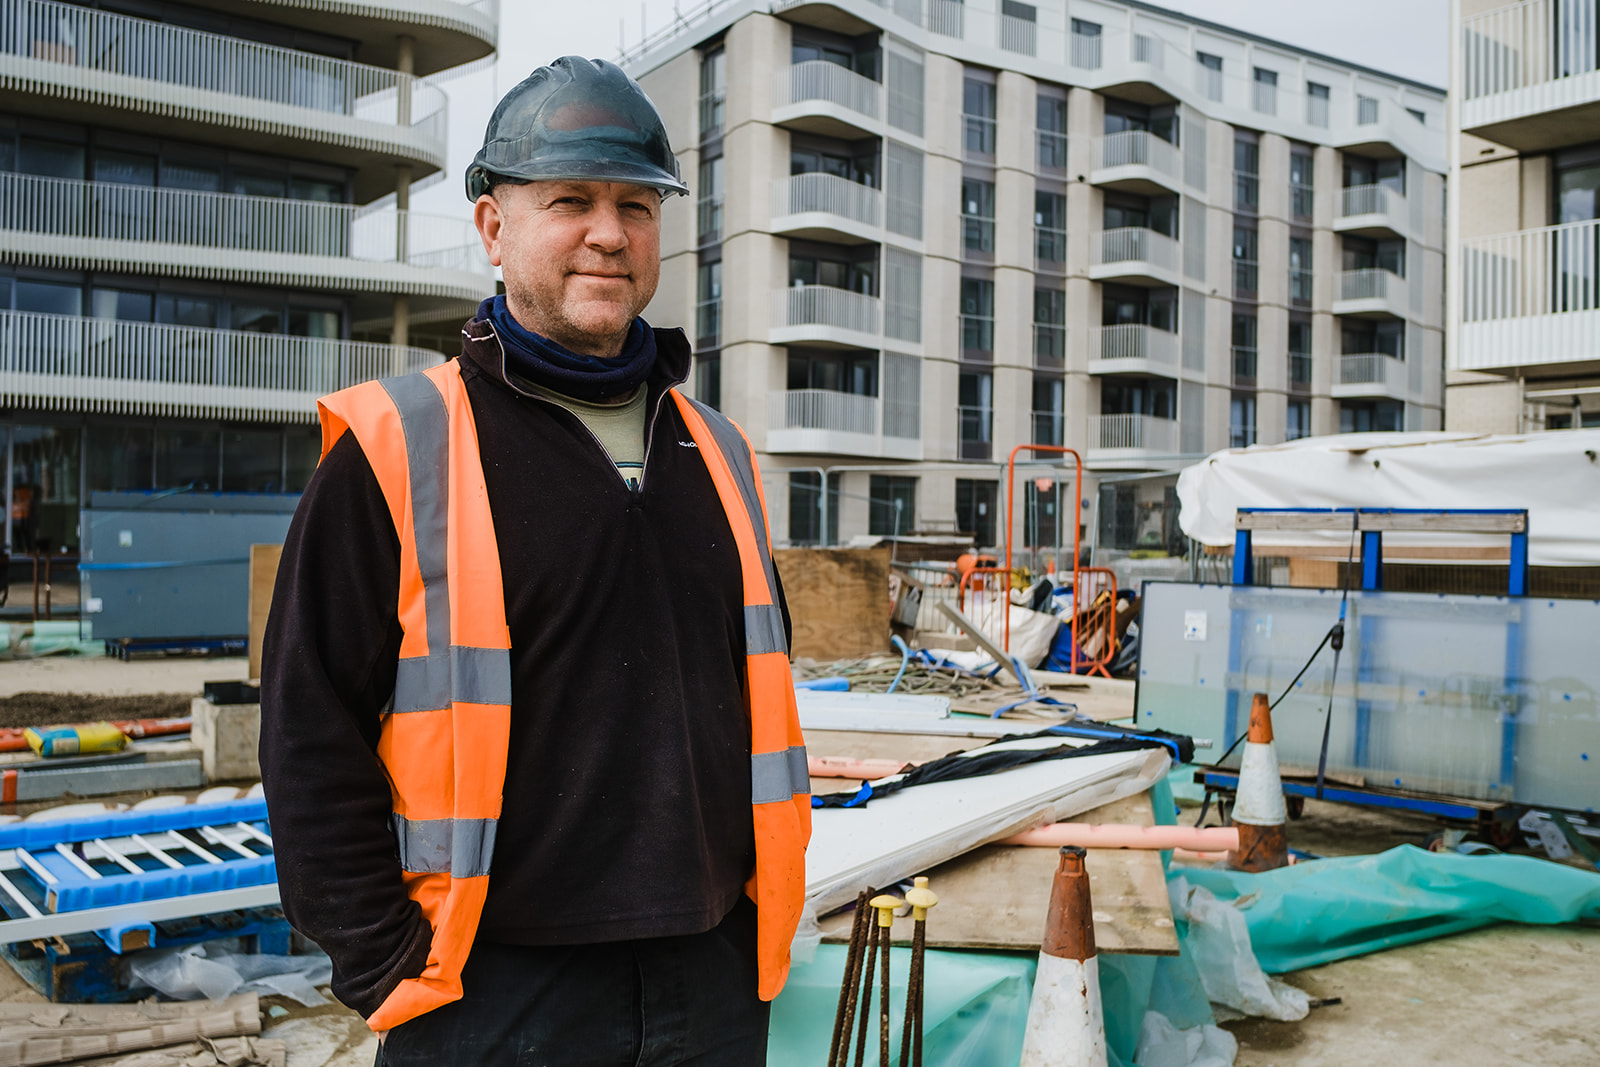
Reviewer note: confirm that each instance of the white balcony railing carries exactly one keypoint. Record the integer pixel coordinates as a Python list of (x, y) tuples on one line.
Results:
[(1208, 82), (1130, 340), (1548, 271), (1150, 432), (78, 210), (946, 17), (1019, 35), (1372, 283), (822, 409), (828, 194), (823, 305), (1086, 50), (111, 46), (1372, 368), (1264, 97), (82, 364), (1372, 200), (1528, 43), (1141, 148), (817, 79), (1146, 48), (1140, 243)]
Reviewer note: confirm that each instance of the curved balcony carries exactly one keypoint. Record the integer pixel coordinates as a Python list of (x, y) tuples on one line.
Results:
[(821, 97), (178, 232), (1373, 374), (1114, 438), (1137, 161), (446, 33), (1530, 299), (74, 63), (65, 363), (1371, 292), (1135, 255), (825, 422), (1375, 211), (1133, 348), (826, 207), (823, 315), (1531, 74)]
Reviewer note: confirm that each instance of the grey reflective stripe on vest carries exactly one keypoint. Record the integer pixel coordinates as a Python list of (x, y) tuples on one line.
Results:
[(737, 452), (763, 629), (461, 674), (426, 425), (778, 776), (459, 847)]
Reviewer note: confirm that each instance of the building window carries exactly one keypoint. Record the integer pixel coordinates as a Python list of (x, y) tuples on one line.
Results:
[(1361, 253), (1244, 350), (1049, 410), (1208, 75), (1049, 227), (1298, 421), (1049, 328), (1360, 172), (977, 216), (978, 109), (1301, 183), (976, 509), (1299, 356), (977, 319), (709, 203), (1123, 116), (708, 380), (806, 508), (1245, 259), (708, 306), (1300, 270), (1366, 110), (1019, 27), (1246, 174), (1041, 514), (892, 510), (713, 92), (1242, 420), (1367, 416), (1051, 127), (1316, 105), (1264, 91), (1420, 116), (975, 397), (855, 269), (1085, 44)]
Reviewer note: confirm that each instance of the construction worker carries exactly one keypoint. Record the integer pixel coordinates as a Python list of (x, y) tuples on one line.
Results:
[(529, 740)]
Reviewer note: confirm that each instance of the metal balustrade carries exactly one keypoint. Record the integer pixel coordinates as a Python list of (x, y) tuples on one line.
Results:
[(1131, 340), (823, 305), (1372, 283), (1086, 51), (84, 364), (1547, 271), (1129, 243), (1317, 111), (73, 210), (1140, 148), (946, 17), (1372, 368), (822, 409), (1264, 97), (1372, 200), (818, 79), (828, 194), (1019, 35), (111, 45), (1366, 110), (1148, 49), (1530, 43), (1208, 82), (1150, 432)]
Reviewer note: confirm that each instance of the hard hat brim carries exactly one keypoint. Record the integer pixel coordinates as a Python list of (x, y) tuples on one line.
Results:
[(598, 170)]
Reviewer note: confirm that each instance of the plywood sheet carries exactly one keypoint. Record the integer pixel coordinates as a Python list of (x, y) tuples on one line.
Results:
[(838, 600), (263, 576), (998, 896)]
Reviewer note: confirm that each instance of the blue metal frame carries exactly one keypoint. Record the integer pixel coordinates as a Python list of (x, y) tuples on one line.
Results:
[(1422, 805)]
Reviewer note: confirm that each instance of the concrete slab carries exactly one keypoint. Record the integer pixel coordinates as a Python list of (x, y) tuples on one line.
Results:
[(106, 676)]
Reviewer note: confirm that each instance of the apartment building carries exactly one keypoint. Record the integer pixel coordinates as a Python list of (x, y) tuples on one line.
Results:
[(926, 232), (1524, 352), (206, 226)]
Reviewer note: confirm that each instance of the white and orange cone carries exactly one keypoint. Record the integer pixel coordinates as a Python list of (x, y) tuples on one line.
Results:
[(1258, 809), (1065, 1025)]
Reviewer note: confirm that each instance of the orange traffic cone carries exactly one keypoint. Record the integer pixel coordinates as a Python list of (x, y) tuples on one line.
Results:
[(1258, 810), (1066, 1027)]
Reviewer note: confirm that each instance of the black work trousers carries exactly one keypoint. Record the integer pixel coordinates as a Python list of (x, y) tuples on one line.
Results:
[(661, 1002)]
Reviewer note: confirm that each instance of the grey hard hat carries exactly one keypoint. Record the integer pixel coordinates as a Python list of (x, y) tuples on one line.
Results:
[(576, 119)]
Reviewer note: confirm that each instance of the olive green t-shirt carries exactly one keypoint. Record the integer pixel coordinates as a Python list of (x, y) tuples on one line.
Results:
[(618, 427)]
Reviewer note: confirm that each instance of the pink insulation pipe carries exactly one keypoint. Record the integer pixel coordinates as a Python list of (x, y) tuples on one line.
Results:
[(1086, 835)]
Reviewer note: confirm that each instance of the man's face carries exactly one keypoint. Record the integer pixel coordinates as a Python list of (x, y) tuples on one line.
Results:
[(580, 259)]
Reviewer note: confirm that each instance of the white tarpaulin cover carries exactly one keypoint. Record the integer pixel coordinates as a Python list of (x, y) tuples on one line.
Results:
[(1555, 475)]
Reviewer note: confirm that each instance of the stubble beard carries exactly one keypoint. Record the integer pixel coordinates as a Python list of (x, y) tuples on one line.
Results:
[(549, 319)]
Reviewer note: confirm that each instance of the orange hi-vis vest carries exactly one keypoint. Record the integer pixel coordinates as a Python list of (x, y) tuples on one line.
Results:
[(445, 740)]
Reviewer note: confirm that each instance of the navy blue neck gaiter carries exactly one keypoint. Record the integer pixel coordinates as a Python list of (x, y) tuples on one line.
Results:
[(544, 362)]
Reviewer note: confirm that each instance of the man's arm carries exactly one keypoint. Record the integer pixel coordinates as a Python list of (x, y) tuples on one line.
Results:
[(327, 672)]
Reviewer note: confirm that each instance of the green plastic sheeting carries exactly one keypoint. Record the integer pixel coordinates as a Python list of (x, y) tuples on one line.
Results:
[(1325, 910)]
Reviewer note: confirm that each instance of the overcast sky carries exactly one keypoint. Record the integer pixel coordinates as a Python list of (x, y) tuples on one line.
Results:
[(1404, 37)]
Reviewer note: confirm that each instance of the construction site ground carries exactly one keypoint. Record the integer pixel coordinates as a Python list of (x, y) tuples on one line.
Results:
[(1507, 994)]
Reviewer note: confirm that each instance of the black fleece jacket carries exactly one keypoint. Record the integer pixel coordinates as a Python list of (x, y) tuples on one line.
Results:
[(627, 794)]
